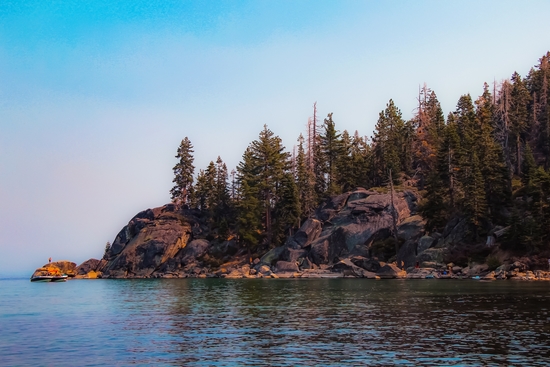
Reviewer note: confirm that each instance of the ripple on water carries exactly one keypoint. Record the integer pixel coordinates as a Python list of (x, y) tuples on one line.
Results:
[(212, 322)]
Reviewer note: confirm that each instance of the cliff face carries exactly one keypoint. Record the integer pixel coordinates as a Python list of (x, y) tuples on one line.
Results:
[(155, 241)]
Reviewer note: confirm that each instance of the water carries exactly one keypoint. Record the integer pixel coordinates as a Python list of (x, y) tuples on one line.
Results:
[(324, 322)]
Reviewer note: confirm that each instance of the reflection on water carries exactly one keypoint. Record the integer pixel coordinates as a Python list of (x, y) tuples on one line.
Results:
[(325, 322)]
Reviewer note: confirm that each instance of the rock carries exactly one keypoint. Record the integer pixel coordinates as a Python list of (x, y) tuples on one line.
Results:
[(57, 268), (476, 269), (286, 267), (454, 232), (369, 264), (431, 255), (428, 264), (293, 255), (245, 270), (307, 264), (348, 268), (504, 267), (424, 243), (319, 251), (407, 253), (489, 276), (87, 266), (390, 271), (411, 228), (308, 232), (235, 274), (346, 225), (264, 270), (90, 269), (518, 266), (150, 239), (420, 273), (271, 257)]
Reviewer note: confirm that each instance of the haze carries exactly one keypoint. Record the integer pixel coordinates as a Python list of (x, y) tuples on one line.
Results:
[(95, 97)]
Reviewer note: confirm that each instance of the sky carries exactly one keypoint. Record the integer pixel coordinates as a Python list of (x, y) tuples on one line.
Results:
[(95, 96)]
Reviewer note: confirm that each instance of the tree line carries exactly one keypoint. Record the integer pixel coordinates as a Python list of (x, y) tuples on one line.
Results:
[(487, 162)]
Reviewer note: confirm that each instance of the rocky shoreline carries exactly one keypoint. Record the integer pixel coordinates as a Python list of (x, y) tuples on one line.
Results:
[(348, 236), (344, 269)]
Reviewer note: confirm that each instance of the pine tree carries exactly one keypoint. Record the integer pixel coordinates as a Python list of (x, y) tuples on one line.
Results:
[(493, 166), (287, 210), (331, 150), (519, 115), (387, 144), (261, 171), (443, 187), (429, 123), (305, 181), (183, 173), (345, 174), (200, 192), (475, 204), (221, 210), (528, 168), (210, 184), (248, 218)]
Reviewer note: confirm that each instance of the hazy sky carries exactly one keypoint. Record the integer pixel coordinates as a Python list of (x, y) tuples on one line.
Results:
[(95, 96)]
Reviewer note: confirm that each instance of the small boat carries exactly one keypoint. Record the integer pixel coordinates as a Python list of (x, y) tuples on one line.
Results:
[(477, 277), (49, 278)]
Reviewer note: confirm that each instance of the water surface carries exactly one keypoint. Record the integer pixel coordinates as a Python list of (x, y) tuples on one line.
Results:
[(313, 322)]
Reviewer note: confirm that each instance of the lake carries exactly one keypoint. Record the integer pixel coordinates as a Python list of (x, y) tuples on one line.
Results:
[(274, 322)]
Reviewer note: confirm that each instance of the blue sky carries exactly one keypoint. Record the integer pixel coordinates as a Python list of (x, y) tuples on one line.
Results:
[(95, 96)]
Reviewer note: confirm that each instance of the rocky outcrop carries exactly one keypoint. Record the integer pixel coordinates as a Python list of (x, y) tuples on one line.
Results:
[(89, 269), (57, 268), (155, 243), (346, 226)]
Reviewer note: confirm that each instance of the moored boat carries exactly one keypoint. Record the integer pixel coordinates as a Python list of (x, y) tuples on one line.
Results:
[(49, 278)]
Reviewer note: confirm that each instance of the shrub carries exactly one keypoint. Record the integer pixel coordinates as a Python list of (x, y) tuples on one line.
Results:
[(493, 262)]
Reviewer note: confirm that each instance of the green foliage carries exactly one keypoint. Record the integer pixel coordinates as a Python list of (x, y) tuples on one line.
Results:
[(492, 262), (390, 140), (384, 249), (183, 173), (261, 173), (467, 167)]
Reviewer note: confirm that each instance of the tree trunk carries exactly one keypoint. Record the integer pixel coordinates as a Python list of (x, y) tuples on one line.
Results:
[(393, 215)]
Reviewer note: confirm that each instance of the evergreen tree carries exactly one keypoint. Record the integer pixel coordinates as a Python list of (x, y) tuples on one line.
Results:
[(345, 174), (287, 210), (263, 167), (248, 218), (387, 144), (200, 193), (305, 181), (429, 123), (519, 115), (443, 186), (528, 168), (475, 204), (331, 150), (183, 173), (493, 166)]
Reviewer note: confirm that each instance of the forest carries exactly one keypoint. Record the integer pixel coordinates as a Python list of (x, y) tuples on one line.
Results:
[(487, 162)]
